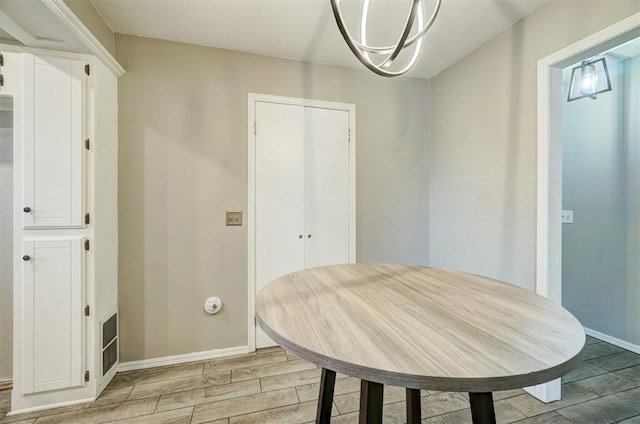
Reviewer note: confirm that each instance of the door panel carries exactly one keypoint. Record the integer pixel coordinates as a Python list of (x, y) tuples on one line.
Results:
[(279, 220), (54, 135), (326, 187), (52, 314)]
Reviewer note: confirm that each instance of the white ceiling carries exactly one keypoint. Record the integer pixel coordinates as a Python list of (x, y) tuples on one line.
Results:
[(627, 50), (32, 24), (306, 29)]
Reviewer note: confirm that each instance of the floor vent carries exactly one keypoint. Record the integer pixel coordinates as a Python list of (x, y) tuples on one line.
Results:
[(109, 343)]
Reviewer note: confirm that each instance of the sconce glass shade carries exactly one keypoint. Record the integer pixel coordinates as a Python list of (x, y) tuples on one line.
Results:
[(589, 79)]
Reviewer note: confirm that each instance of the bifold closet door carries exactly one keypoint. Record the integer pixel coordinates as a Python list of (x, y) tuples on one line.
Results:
[(326, 176), (279, 174), (302, 191)]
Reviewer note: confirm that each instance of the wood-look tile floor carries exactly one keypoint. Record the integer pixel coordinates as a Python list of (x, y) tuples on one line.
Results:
[(274, 386)]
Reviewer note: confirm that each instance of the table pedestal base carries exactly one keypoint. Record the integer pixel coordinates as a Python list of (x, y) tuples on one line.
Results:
[(414, 412), (371, 402), (371, 396), (325, 400), (482, 411)]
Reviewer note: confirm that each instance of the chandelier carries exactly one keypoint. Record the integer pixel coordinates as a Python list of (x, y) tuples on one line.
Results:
[(387, 54)]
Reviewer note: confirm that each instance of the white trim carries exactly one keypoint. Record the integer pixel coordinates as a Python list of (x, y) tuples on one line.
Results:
[(50, 406), (255, 97), (86, 37), (6, 381), (252, 98), (613, 340), (106, 379), (549, 167), (547, 392), (180, 359), (37, 51), (251, 223)]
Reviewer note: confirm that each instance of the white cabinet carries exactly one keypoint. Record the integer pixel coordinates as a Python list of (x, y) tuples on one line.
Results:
[(54, 293), (303, 184), (64, 289), (54, 133)]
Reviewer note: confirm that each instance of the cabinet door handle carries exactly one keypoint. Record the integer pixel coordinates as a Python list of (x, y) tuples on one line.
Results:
[(300, 236), (26, 258), (26, 209), (309, 236)]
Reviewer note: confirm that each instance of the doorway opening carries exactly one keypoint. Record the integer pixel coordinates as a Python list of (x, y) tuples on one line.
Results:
[(6, 244), (601, 201), (550, 158)]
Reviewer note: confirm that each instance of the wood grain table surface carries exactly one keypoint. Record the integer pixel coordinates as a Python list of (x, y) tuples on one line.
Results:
[(420, 327)]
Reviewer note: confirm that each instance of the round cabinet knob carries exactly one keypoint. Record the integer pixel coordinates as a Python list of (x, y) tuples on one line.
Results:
[(27, 209), (309, 236), (26, 258), (300, 236)]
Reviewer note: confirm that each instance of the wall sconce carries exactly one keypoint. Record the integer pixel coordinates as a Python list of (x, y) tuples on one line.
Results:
[(585, 80)]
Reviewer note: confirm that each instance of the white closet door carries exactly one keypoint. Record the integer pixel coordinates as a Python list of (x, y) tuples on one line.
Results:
[(279, 182), (52, 319), (54, 136), (326, 187)]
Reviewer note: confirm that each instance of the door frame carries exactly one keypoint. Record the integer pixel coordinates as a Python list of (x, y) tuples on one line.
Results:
[(549, 168), (251, 198)]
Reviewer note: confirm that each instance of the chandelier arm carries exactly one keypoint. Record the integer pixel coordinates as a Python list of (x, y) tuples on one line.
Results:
[(363, 26), (365, 60), (414, 57), (416, 51), (403, 37), (409, 42), (350, 42)]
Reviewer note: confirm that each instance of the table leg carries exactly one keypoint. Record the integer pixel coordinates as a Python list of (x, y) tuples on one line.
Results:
[(482, 411), (325, 399), (413, 406), (371, 402)]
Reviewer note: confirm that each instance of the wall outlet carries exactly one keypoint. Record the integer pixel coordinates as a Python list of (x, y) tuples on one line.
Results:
[(234, 217), (567, 217)]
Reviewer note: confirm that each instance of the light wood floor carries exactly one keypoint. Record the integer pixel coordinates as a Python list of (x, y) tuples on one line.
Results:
[(273, 386)]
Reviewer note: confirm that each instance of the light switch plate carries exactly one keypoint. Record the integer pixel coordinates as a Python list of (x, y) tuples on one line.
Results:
[(567, 217), (233, 217)]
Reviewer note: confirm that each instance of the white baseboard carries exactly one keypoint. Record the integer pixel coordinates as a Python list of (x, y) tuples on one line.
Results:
[(4, 381), (179, 359), (49, 406), (612, 340)]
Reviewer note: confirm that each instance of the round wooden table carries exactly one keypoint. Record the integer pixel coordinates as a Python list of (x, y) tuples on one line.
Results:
[(419, 328)]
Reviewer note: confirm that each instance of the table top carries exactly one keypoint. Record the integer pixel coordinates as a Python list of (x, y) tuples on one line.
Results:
[(420, 327)]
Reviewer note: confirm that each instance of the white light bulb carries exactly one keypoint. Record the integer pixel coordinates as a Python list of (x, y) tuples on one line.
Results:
[(589, 79)]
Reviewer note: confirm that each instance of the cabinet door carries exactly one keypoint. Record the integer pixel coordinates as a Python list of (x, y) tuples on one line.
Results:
[(54, 136), (326, 187), (53, 321), (279, 179)]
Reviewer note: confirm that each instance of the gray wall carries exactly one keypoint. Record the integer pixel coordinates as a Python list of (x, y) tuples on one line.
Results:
[(183, 161), (483, 152), (600, 266), (6, 235), (632, 129), (85, 11)]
